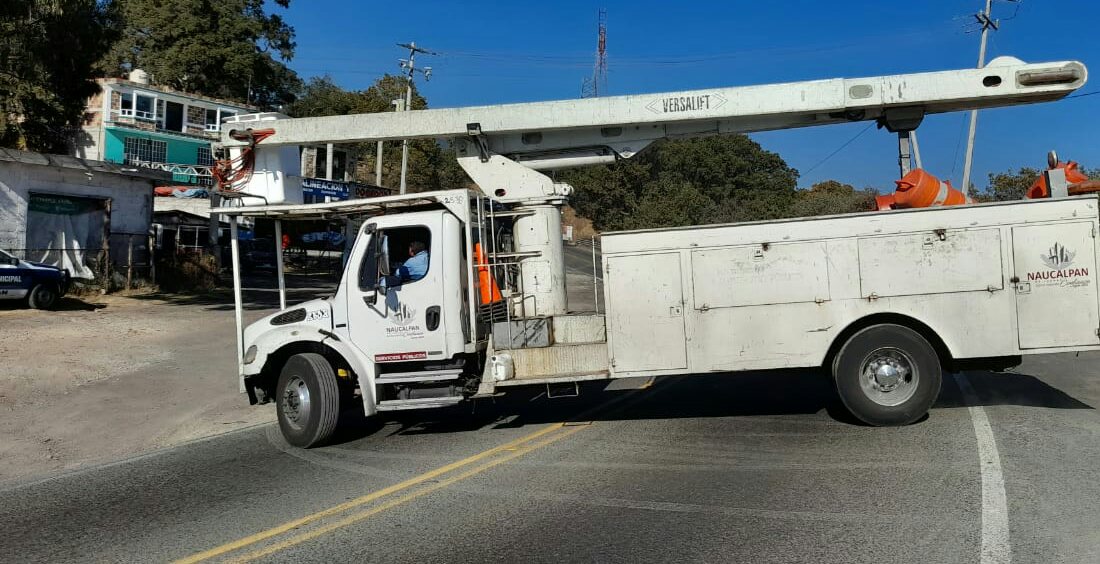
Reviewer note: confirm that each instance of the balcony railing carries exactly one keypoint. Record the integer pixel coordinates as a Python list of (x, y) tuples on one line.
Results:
[(192, 174)]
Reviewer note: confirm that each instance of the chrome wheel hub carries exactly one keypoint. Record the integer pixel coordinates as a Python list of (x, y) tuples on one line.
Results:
[(888, 376), (295, 402)]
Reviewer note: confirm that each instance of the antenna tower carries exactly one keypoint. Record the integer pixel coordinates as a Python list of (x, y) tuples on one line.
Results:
[(596, 85)]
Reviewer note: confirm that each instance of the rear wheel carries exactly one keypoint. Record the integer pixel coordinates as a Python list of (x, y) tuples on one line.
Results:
[(887, 375), (308, 400), (43, 296)]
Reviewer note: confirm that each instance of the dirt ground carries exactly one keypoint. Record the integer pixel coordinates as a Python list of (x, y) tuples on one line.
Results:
[(104, 377)]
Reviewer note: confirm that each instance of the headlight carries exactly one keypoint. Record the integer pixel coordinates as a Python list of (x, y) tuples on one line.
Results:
[(250, 354)]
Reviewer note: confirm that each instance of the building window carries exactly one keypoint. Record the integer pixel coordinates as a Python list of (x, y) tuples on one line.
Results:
[(138, 105), (145, 150), (339, 164), (215, 117), (144, 106), (205, 157)]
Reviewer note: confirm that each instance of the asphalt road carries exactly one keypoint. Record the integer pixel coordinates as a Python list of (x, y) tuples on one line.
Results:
[(755, 467)]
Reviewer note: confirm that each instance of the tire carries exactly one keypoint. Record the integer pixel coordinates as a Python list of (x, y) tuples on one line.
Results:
[(887, 375), (43, 296), (308, 400)]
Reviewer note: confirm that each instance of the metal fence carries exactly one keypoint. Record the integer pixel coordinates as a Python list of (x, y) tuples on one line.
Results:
[(125, 262)]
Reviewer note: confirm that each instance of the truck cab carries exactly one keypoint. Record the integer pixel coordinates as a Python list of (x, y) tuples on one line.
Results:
[(398, 341)]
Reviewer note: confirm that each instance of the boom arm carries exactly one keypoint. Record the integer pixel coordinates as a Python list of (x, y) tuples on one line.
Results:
[(621, 122), (504, 147)]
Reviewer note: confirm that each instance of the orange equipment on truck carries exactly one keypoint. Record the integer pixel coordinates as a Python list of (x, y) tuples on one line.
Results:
[(919, 189), (1077, 181), (489, 291)]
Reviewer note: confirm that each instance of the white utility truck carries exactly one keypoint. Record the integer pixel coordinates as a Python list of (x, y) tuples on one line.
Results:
[(882, 301)]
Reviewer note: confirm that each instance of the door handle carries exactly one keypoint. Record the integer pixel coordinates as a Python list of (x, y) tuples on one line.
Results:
[(675, 311)]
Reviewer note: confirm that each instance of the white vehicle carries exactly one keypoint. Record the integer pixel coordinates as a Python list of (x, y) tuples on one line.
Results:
[(882, 301)]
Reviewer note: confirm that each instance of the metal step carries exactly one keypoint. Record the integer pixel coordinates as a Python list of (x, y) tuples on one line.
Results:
[(423, 403), (421, 376), (556, 360), (556, 379)]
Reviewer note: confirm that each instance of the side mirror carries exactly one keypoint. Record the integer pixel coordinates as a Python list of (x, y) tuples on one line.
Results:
[(370, 298)]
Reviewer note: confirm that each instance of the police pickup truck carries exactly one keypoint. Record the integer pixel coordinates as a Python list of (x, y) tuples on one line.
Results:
[(41, 285)]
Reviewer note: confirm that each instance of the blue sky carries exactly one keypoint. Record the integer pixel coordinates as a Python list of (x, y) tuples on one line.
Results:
[(498, 52)]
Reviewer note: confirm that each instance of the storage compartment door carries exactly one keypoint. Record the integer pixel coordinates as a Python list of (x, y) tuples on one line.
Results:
[(1055, 285), (645, 313), (931, 263)]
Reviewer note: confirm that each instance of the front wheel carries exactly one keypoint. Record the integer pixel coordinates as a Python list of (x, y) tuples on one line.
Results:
[(887, 375), (43, 296), (308, 400)]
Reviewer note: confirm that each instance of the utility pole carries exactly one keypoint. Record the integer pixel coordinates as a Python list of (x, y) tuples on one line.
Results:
[(986, 22), (409, 67), (378, 166)]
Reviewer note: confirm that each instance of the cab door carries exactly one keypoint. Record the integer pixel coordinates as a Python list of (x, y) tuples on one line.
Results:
[(391, 319)]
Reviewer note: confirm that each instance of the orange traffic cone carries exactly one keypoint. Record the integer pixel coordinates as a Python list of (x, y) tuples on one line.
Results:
[(487, 285), (1073, 176), (919, 189)]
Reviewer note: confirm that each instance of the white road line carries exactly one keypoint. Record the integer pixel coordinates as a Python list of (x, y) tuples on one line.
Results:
[(996, 548)]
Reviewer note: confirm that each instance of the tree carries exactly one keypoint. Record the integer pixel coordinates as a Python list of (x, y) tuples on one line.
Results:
[(48, 50), (321, 96), (431, 167), (1009, 185), (831, 197), (1005, 186), (229, 49), (686, 182)]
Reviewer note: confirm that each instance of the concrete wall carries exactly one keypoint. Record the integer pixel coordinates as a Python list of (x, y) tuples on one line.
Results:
[(131, 197), (178, 149)]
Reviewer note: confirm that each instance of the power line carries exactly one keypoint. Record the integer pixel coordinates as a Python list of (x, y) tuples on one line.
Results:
[(958, 144), (585, 60), (841, 148)]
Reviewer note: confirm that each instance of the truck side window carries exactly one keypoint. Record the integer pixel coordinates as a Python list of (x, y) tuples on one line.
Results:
[(409, 250), (368, 269)]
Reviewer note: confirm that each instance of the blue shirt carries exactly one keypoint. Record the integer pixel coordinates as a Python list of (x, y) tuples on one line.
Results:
[(415, 268)]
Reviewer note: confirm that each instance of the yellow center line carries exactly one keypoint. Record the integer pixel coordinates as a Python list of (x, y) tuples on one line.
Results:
[(511, 450), (359, 501), (352, 519)]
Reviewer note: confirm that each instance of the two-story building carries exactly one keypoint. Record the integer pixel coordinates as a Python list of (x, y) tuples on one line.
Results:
[(133, 122)]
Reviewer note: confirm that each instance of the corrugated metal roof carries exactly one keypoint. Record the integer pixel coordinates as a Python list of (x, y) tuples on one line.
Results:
[(85, 165)]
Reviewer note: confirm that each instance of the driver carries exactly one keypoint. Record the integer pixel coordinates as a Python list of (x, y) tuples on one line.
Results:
[(416, 266)]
